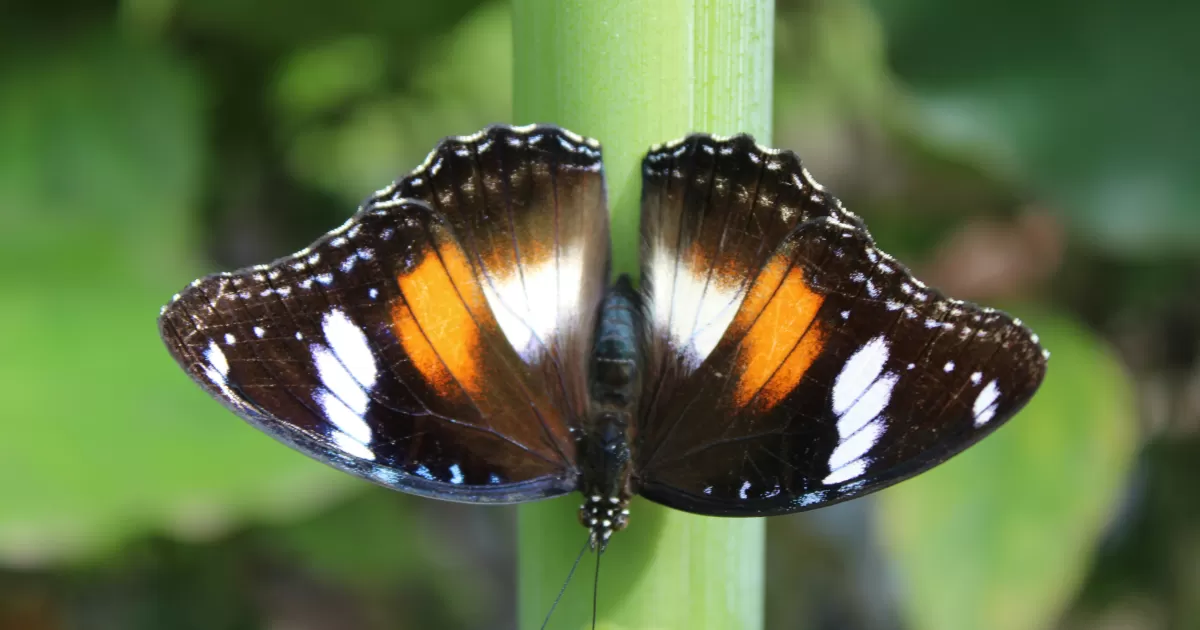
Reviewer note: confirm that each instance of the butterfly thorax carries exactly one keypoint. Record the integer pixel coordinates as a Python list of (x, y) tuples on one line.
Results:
[(605, 458)]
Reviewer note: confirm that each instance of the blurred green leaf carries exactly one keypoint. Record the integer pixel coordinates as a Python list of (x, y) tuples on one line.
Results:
[(463, 84), (317, 80), (104, 436), (380, 540), (829, 82), (371, 540), (830, 74), (1092, 105), (282, 24), (999, 538)]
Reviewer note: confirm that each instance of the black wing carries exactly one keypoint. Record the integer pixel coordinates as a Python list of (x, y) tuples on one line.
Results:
[(794, 364), (433, 343)]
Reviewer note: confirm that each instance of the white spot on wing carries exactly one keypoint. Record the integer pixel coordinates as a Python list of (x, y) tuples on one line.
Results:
[(845, 473), (349, 423), (423, 471), (852, 449), (861, 393), (985, 403), (386, 476), (868, 406), (216, 360), (339, 381), (350, 345), (810, 498), (456, 476), (860, 371), (692, 310), (217, 369), (528, 312), (352, 446), (348, 372)]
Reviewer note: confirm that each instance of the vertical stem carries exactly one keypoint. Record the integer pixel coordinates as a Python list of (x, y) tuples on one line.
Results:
[(633, 73)]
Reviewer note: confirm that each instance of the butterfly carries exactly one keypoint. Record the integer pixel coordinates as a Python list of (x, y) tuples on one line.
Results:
[(458, 338)]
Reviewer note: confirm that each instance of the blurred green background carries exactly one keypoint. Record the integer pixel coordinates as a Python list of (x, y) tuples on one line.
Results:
[(1040, 156)]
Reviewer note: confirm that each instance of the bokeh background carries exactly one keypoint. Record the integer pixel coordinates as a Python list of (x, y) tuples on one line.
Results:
[(1038, 155)]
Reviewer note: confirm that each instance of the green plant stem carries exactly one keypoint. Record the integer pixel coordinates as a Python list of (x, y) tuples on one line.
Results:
[(633, 73)]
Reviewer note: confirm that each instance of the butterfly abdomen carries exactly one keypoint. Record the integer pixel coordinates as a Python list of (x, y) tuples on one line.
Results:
[(614, 377)]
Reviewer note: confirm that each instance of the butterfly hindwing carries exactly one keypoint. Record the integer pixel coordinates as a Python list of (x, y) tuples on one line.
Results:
[(837, 373), (393, 347)]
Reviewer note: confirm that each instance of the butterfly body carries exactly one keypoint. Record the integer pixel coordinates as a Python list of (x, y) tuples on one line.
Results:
[(606, 455), (458, 338)]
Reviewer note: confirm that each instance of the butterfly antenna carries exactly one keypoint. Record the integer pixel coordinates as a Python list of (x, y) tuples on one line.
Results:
[(562, 590), (596, 586)]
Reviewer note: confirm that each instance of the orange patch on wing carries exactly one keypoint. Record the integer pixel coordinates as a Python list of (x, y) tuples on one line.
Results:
[(434, 321), (783, 342)]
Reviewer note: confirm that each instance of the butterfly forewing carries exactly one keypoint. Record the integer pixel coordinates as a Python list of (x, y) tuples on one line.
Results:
[(530, 208), (397, 347), (836, 374), (713, 212)]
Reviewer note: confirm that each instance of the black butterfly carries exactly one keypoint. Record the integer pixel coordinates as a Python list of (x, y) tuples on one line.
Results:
[(458, 338)]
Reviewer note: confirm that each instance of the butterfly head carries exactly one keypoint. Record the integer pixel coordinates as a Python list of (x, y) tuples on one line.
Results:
[(602, 516), (608, 469)]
